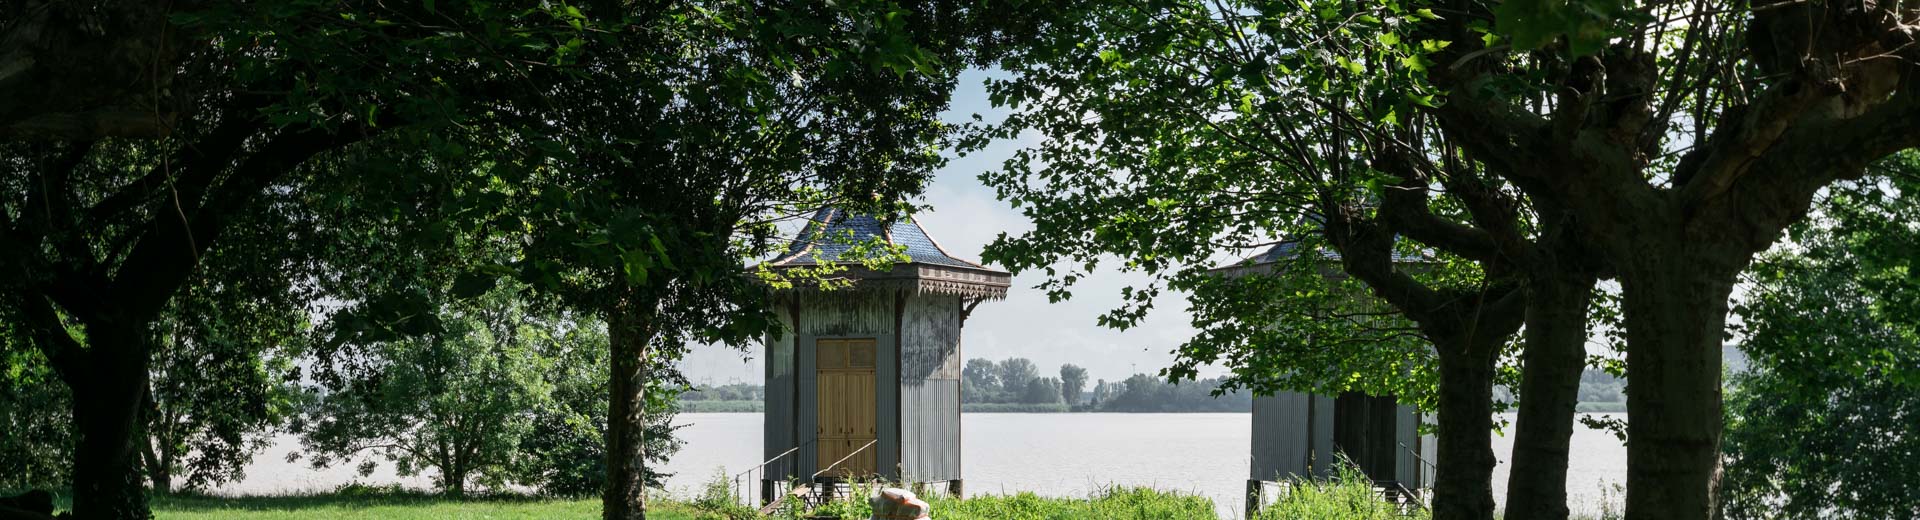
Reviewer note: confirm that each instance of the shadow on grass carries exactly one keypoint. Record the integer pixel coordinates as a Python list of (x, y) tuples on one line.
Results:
[(346, 497)]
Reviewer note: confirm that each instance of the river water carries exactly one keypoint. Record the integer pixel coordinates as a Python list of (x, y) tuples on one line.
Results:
[(1074, 455), (1066, 455)]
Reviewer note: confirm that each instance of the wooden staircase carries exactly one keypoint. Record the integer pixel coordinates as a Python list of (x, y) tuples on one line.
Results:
[(811, 495), (1407, 501)]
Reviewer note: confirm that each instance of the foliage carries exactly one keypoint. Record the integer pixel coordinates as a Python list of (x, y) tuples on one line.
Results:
[(224, 374), (1042, 390), (566, 451), (34, 411), (1145, 393), (221, 380), (1108, 503), (455, 402), (1822, 423), (728, 392), (1011, 380), (1229, 129), (100, 234), (722, 406), (1016, 374), (1492, 132), (1349, 495), (1073, 381), (1014, 408)]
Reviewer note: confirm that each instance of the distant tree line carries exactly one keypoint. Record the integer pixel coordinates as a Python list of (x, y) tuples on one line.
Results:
[(1017, 381), (726, 392), (1015, 385)]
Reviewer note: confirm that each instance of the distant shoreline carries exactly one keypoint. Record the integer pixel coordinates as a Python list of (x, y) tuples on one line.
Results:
[(760, 407)]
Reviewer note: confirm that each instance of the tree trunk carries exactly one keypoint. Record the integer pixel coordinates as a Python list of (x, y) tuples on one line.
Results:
[(107, 406), (158, 465), (1463, 483), (1675, 304), (456, 482), (156, 455), (1554, 357), (628, 334)]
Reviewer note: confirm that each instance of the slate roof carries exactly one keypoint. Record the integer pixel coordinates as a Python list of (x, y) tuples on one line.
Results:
[(1288, 249), (818, 240)]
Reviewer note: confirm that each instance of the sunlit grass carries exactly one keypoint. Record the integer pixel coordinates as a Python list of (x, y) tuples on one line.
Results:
[(398, 507)]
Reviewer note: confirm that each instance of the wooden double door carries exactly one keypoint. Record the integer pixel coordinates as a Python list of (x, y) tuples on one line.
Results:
[(846, 407)]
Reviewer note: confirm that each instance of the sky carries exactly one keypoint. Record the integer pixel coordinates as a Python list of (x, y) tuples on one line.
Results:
[(965, 216)]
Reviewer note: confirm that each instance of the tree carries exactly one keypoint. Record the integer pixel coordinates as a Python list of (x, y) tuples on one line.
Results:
[(1821, 424), (1041, 390), (35, 411), (1677, 188), (455, 402), (1674, 141), (1145, 393), (1016, 374), (130, 155), (1176, 132), (566, 451), (1072, 380), (1101, 392), (980, 381), (712, 126)]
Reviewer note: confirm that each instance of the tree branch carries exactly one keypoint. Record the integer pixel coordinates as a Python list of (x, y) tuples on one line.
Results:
[(170, 248), (1742, 139), (1404, 208)]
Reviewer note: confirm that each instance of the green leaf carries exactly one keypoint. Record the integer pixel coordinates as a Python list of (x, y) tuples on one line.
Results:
[(472, 284)]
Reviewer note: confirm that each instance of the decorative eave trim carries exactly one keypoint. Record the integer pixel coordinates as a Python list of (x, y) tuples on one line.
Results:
[(922, 279)]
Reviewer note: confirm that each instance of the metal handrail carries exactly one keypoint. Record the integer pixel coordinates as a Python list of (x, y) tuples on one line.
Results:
[(850, 455), (1423, 461), (1416, 498), (763, 465), (743, 486), (1417, 457)]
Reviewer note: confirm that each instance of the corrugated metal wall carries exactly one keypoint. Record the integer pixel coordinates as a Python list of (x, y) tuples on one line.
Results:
[(1376, 427), (847, 314), (778, 419), (1292, 436), (1405, 436), (930, 389)]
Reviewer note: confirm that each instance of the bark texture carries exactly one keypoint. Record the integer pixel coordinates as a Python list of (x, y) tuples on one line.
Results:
[(107, 406), (1463, 479), (1468, 327), (1676, 313), (628, 334), (82, 70), (1553, 359)]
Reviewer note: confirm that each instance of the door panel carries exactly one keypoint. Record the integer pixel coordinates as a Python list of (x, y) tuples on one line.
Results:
[(846, 405)]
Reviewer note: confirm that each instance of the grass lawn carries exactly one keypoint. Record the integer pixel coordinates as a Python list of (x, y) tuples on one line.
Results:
[(1319, 501), (406, 507)]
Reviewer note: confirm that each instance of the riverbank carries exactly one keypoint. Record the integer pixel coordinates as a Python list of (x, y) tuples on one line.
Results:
[(758, 406), (354, 503)]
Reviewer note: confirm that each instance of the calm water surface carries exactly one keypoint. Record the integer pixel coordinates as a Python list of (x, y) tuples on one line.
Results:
[(1067, 455), (1073, 455)]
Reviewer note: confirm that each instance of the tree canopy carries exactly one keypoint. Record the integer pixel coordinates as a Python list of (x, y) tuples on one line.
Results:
[(1663, 144), (1820, 425)]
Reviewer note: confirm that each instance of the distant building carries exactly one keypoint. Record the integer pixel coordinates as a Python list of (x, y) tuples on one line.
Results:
[(866, 383), (1297, 435)]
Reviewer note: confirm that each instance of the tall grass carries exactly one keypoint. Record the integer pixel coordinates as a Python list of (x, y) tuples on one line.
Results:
[(1114, 503), (1349, 495)]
